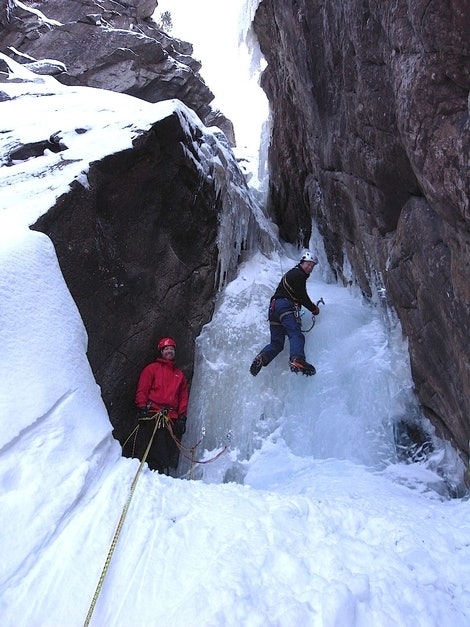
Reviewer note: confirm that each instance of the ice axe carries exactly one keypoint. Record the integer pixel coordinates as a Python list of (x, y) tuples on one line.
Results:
[(313, 316)]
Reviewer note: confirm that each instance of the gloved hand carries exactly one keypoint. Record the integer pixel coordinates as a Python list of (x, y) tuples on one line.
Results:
[(316, 311), (179, 426), (142, 412)]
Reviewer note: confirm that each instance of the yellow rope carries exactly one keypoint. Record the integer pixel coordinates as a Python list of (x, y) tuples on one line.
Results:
[(129, 437), (159, 420)]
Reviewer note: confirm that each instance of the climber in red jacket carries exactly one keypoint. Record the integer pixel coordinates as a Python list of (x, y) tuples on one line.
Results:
[(161, 386)]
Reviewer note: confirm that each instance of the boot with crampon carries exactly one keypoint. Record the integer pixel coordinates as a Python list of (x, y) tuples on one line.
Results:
[(298, 364), (256, 364)]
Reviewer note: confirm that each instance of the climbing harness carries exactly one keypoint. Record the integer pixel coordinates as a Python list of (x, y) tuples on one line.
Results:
[(159, 418)]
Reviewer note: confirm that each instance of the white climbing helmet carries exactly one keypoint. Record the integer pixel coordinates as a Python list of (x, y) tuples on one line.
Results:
[(308, 256)]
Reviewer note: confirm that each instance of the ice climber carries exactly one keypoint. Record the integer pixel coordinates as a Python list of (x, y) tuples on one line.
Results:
[(284, 318)]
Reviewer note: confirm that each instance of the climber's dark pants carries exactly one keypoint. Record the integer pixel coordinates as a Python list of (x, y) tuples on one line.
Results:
[(283, 322)]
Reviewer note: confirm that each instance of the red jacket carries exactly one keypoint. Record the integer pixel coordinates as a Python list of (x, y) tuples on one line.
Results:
[(164, 386)]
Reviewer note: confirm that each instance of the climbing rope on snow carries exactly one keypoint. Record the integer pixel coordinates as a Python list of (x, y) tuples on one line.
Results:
[(133, 433), (189, 453), (159, 420)]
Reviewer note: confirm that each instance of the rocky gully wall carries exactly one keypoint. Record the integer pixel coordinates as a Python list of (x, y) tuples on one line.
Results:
[(371, 139)]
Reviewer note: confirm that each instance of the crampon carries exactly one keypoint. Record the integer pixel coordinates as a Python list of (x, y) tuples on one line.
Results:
[(297, 364)]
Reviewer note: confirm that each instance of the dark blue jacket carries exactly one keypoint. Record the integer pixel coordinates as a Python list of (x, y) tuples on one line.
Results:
[(293, 286)]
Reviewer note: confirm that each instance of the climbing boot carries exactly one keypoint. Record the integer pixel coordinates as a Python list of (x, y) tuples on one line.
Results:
[(298, 364), (256, 364)]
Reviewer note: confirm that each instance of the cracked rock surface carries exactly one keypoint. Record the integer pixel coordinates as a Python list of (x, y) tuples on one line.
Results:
[(370, 110)]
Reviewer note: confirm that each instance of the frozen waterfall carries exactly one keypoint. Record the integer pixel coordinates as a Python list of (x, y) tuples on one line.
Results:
[(352, 409)]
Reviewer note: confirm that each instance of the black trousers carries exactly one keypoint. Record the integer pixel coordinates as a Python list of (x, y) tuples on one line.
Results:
[(163, 453)]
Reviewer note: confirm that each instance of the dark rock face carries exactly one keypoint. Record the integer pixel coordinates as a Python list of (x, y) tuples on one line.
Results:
[(110, 45), (138, 251), (371, 140)]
